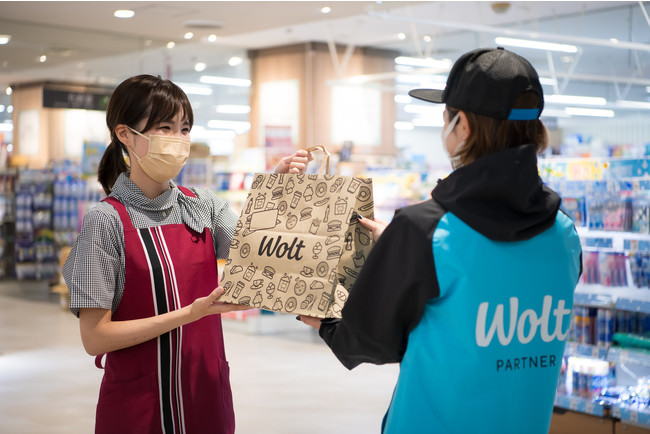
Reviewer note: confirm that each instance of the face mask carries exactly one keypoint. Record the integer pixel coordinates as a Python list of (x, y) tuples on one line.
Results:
[(455, 160), (165, 157)]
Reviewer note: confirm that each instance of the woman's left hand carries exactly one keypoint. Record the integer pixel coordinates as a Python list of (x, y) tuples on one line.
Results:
[(295, 163)]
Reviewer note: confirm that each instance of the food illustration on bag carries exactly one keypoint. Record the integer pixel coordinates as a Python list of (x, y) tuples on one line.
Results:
[(298, 245)]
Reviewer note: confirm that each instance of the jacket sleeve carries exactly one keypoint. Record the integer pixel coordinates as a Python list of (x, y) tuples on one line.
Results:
[(387, 300)]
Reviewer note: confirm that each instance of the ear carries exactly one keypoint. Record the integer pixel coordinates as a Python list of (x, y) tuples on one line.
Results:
[(463, 129), (124, 135)]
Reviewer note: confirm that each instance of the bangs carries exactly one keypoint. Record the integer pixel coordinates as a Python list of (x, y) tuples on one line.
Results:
[(165, 102)]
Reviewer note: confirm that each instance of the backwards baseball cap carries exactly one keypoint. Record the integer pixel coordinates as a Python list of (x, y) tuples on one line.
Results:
[(488, 81)]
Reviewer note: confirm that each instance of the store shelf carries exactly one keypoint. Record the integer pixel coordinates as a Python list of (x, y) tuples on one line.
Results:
[(634, 417), (614, 240), (616, 297), (582, 405), (620, 355), (583, 350)]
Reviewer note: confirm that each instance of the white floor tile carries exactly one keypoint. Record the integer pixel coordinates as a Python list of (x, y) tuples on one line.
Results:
[(283, 383)]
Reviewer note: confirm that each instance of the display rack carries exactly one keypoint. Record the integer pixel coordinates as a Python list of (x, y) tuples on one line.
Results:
[(7, 223), (609, 202), (34, 244)]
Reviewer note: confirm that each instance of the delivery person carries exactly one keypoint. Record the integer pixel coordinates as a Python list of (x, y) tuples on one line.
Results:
[(471, 291)]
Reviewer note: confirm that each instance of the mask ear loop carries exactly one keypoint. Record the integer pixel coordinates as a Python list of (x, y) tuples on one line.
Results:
[(451, 126), (453, 159), (132, 149)]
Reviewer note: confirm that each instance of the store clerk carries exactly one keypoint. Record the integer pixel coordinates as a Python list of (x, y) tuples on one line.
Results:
[(464, 287), (142, 274)]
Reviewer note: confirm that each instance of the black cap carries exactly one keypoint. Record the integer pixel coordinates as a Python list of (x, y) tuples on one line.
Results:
[(487, 81)]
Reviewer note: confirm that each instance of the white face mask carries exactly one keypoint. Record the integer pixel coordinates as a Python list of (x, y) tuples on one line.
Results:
[(455, 159), (165, 157)]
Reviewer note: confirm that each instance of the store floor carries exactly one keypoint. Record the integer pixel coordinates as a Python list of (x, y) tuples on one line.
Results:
[(287, 382)]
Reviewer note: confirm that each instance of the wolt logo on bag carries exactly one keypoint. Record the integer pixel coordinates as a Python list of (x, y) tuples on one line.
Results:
[(298, 245)]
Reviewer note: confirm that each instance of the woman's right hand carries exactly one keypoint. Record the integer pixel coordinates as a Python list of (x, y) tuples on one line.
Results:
[(208, 305), (376, 226)]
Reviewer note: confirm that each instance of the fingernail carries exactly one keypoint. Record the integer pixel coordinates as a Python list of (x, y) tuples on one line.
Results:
[(360, 216), (298, 317)]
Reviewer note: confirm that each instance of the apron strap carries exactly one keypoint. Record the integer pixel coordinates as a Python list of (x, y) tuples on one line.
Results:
[(186, 191), (124, 215), (121, 210)]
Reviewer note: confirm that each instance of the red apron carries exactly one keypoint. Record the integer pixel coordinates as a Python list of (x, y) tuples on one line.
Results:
[(178, 382)]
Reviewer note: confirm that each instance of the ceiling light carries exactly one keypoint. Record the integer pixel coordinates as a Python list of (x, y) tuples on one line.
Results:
[(200, 66), (633, 104), (429, 110), (124, 13), (233, 109), (200, 132), (423, 61), (402, 99), (426, 38), (225, 81), (171, 44), (647, 89), (2, 108), (238, 126), (574, 99), (325, 10), (4, 39), (548, 81), (195, 89), (6, 128), (581, 111), (8, 90), (538, 45), (551, 113), (43, 58), (429, 122), (403, 126), (188, 35), (10, 109), (401, 36), (235, 60), (212, 38)]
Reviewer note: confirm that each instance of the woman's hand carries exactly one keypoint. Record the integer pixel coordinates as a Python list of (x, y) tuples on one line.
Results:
[(208, 305), (295, 163), (310, 321), (376, 226), (100, 334)]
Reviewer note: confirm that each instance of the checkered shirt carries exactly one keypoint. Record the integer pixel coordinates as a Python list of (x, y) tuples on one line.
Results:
[(94, 270)]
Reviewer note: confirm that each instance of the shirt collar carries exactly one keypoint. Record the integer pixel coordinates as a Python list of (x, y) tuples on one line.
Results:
[(129, 192)]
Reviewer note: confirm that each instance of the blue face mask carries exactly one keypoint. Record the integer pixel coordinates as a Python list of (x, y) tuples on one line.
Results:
[(454, 159)]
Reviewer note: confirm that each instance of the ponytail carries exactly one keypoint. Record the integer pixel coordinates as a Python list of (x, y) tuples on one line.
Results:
[(111, 165)]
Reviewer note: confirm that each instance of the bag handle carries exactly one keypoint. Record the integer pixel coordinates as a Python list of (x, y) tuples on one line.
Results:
[(327, 156)]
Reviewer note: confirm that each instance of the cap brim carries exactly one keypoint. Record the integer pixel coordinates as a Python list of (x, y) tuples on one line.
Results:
[(430, 95)]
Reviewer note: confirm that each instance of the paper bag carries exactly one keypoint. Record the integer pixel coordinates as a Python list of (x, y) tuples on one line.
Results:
[(298, 246)]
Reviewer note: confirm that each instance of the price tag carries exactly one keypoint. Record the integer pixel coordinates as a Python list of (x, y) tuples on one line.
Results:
[(595, 351), (573, 404), (634, 416), (616, 412), (590, 407)]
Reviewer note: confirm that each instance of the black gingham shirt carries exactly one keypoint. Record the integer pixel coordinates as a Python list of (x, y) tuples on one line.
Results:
[(94, 270)]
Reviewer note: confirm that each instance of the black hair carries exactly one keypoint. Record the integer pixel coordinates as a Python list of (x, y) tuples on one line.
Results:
[(137, 98)]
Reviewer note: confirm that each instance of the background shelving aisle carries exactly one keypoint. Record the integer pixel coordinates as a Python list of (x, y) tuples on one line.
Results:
[(606, 366)]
